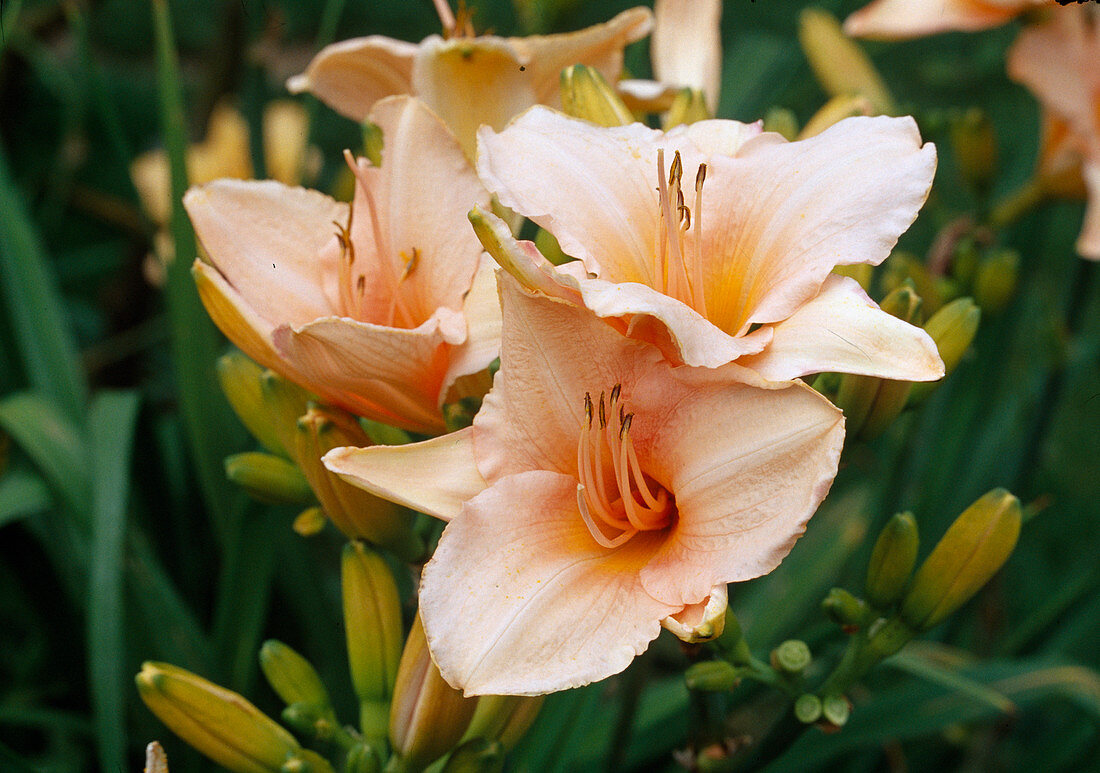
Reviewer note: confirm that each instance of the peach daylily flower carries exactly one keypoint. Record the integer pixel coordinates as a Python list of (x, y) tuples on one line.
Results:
[(735, 264), (380, 313), (1058, 62), (467, 81), (599, 492), (900, 19)]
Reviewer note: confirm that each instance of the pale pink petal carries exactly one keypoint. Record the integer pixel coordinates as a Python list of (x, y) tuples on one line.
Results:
[(352, 75), (267, 240), (425, 188), (520, 600), (687, 45), (472, 81), (435, 477), (780, 216), (897, 19), (1088, 243), (481, 309), (599, 46), (719, 137), (844, 331), (393, 375), (748, 467), (645, 96), (700, 622)]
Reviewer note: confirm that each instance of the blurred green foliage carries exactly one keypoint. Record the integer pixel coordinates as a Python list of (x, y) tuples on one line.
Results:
[(112, 551)]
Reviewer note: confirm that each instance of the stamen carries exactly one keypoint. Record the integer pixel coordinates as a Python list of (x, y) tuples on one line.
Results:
[(446, 15), (700, 301), (594, 529)]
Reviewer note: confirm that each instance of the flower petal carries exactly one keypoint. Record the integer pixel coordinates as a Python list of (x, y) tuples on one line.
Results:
[(251, 333), (700, 622), (392, 375), (352, 75), (481, 308), (433, 477), (747, 466), (268, 241), (781, 216), (897, 19), (844, 331), (520, 600), (687, 45), (1088, 243)]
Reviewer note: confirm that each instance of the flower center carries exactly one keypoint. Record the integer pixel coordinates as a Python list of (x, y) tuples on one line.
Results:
[(680, 269), (615, 497)]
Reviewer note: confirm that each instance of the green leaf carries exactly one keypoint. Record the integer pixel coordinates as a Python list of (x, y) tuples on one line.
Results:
[(111, 432), (42, 333), (930, 661), (22, 494)]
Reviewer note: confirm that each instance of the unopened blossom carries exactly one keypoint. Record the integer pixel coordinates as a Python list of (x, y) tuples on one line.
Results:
[(716, 241), (898, 19), (380, 307), (467, 80), (1057, 61), (599, 491)]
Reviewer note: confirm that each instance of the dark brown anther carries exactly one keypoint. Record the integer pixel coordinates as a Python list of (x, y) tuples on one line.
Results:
[(700, 176), (603, 413), (615, 392), (626, 420), (588, 409)]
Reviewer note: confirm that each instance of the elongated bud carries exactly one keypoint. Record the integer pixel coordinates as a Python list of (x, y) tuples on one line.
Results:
[(861, 272), (240, 381), (782, 121), (362, 758), (834, 111), (372, 619), (953, 329), (975, 146), (732, 641), (291, 676), (838, 62), (892, 560), (548, 245), (355, 512), (218, 722), (306, 761), (428, 716), (845, 610), (285, 403), (973, 549), (503, 718), (372, 143), (268, 478), (586, 95), (477, 755), (886, 637), (309, 522), (700, 622), (711, 676), (688, 106), (996, 278)]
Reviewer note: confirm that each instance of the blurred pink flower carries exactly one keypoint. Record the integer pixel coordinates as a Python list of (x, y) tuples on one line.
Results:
[(380, 313), (599, 491), (468, 81), (1060, 62), (897, 19), (734, 264)]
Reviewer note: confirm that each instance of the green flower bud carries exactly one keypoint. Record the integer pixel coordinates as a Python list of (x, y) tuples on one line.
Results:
[(285, 402), (953, 329), (732, 642), (973, 549), (839, 63), (834, 111), (291, 676), (782, 121), (306, 761), (892, 560), (586, 95), (807, 708), (836, 709), (308, 719), (792, 656), (268, 478), (888, 637), (503, 718), (711, 676), (372, 143), (846, 610), (861, 272), (688, 106), (428, 716), (548, 245), (372, 619), (477, 755), (240, 381), (218, 722), (975, 146), (354, 511), (995, 282), (892, 396), (362, 758), (309, 522)]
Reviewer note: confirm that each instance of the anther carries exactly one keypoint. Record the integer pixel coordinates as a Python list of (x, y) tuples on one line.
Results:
[(615, 392), (625, 428), (588, 409), (603, 414)]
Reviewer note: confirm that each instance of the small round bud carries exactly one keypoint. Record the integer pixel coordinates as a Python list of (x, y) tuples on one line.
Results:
[(807, 708), (836, 709), (792, 656)]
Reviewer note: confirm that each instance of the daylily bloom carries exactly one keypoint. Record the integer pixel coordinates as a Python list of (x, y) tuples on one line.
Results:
[(899, 19), (466, 80), (1058, 62), (734, 266), (599, 491), (380, 313)]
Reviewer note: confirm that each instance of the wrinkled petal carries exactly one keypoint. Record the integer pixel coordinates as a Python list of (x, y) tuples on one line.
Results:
[(520, 600), (897, 19), (687, 45), (1088, 243), (748, 467), (267, 239), (700, 622), (844, 331), (388, 374), (433, 477), (240, 323), (352, 75), (781, 216), (481, 308)]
